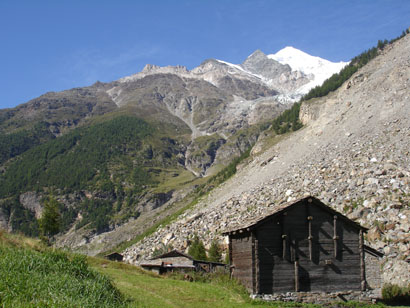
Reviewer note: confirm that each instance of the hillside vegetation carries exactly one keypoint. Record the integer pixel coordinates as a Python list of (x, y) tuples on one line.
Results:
[(119, 159), (35, 276)]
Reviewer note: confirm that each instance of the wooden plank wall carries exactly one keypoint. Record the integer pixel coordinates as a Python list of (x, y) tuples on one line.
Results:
[(241, 255), (344, 271), (326, 271), (274, 274)]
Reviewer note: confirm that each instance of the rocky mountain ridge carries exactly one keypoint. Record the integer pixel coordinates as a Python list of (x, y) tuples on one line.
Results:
[(353, 154), (290, 72)]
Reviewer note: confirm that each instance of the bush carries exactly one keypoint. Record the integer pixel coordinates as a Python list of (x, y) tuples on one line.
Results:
[(394, 294)]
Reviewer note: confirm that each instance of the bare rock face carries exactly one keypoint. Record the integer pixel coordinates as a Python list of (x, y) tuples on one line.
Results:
[(277, 75), (31, 201), (309, 113), (353, 154), (259, 63)]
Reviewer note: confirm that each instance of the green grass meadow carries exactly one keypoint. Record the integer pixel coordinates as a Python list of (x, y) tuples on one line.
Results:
[(34, 275)]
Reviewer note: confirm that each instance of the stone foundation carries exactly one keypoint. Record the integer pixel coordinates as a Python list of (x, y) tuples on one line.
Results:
[(370, 296)]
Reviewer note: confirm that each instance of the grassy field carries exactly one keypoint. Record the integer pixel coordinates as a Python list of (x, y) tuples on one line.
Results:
[(33, 275), (150, 290), (145, 289)]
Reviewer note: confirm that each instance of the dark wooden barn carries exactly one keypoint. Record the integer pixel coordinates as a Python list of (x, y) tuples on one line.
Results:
[(302, 246)]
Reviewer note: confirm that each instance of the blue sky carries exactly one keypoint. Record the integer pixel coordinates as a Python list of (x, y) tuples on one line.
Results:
[(57, 45)]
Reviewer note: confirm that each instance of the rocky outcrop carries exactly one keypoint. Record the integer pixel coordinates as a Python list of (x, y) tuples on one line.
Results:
[(310, 112), (353, 154), (275, 74), (31, 201), (201, 153)]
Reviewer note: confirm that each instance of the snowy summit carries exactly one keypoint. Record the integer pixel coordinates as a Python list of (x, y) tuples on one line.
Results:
[(298, 60)]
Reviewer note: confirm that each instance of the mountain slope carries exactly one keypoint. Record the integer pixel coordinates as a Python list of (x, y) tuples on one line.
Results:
[(119, 155), (353, 154)]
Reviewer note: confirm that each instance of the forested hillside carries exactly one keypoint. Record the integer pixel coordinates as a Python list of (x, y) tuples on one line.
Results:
[(117, 161)]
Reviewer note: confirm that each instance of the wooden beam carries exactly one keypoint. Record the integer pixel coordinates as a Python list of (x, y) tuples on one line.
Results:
[(253, 266), (283, 238), (292, 249), (362, 264), (310, 238), (283, 246), (230, 250), (297, 276), (309, 218), (257, 265), (335, 237)]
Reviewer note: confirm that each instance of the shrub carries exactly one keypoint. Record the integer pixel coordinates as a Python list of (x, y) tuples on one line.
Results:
[(394, 294)]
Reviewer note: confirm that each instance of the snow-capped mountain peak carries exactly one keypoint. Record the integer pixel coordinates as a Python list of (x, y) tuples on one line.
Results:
[(298, 60), (301, 61), (291, 72)]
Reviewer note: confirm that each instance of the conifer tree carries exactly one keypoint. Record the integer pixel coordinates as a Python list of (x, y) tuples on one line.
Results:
[(214, 253), (197, 249), (50, 220)]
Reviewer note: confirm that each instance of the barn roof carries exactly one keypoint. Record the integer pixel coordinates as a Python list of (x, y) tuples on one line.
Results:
[(173, 254), (114, 254), (159, 262), (281, 208)]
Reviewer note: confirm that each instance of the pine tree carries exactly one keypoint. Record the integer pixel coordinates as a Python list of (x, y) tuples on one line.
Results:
[(214, 253), (197, 249), (50, 220)]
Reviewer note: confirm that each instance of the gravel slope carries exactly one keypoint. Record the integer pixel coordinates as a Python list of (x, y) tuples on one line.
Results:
[(353, 154)]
